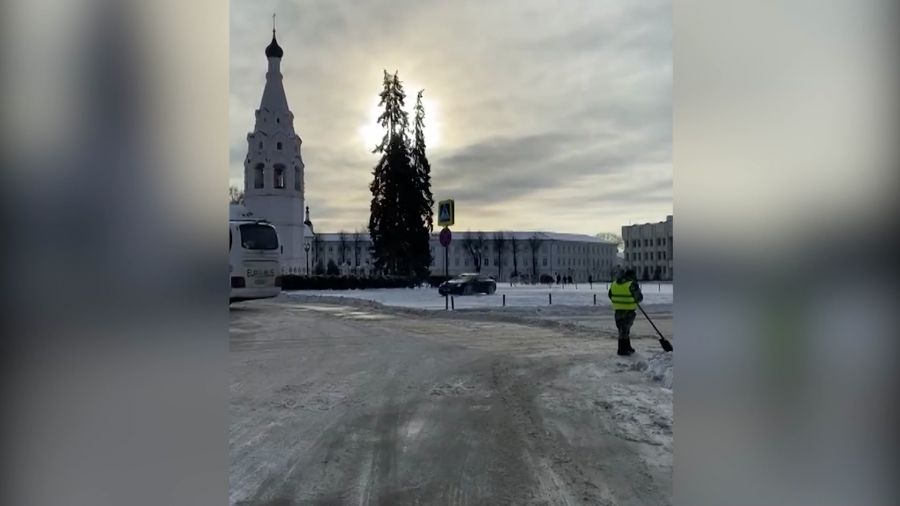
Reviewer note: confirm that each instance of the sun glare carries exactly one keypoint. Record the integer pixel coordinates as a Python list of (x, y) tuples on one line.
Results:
[(371, 133)]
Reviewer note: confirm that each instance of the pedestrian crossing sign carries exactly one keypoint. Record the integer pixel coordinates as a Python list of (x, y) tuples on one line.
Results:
[(446, 213)]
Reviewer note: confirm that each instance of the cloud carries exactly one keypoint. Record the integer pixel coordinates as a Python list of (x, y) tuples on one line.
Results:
[(552, 116)]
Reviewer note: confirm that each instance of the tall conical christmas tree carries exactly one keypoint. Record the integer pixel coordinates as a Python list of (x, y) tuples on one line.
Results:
[(399, 230), (423, 194), (420, 160)]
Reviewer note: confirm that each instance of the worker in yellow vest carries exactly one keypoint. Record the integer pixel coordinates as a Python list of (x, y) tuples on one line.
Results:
[(625, 294)]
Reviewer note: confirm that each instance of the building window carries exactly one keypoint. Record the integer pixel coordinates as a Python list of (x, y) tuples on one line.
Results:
[(260, 145), (278, 146), (298, 182), (545, 261), (279, 177), (258, 177)]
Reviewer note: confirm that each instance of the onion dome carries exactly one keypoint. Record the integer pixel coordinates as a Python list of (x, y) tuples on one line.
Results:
[(273, 50)]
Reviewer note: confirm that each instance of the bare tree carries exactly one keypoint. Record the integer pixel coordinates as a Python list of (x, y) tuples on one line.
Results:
[(612, 237), (235, 195), (514, 245), (342, 243), (357, 244), (480, 246), (534, 243), (316, 244), (474, 246), (500, 245)]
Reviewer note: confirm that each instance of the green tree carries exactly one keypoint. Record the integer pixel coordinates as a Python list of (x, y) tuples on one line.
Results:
[(420, 161), (398, 223)]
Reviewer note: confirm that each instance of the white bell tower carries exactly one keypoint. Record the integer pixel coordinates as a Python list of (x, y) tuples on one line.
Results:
[(273, 169)]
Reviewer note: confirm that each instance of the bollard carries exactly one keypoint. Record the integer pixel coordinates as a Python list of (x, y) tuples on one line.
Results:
[(595, 299), (446, 302), (550, 298), (452, 303), (658, 287), (504, 300)]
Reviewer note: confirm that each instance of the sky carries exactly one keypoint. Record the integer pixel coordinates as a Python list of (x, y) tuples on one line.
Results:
[(553, 116)]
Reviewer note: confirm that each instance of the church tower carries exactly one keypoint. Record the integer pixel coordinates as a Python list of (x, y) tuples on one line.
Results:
[(273, 169)]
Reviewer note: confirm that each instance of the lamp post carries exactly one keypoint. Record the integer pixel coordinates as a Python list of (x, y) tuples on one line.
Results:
[(306, 249)]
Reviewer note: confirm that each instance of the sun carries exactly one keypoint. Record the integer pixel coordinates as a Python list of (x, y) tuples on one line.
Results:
[(371, 132)]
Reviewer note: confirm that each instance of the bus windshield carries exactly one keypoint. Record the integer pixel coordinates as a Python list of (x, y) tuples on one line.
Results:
[(256, 236)]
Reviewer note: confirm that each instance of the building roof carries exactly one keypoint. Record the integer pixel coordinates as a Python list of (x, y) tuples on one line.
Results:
[(663, 222), (519, 236)]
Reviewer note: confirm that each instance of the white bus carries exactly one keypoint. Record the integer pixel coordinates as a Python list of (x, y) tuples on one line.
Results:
[(254, 256)]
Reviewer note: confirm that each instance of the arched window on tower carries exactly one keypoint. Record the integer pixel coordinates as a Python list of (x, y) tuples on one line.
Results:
[(278, 146), (279, 176), (258, 177), (298, 182)]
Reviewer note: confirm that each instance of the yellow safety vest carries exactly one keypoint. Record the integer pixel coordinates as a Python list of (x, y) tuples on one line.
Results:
[(620, 295)]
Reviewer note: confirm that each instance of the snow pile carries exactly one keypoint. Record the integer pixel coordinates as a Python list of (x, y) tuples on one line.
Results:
[(660, 368), (657, 366)]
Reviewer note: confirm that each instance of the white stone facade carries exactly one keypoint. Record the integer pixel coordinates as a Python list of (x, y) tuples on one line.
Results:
[(579, 256), (648, 249), (273, 168)]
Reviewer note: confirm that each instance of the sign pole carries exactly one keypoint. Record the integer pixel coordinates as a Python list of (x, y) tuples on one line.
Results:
[(446, 218)]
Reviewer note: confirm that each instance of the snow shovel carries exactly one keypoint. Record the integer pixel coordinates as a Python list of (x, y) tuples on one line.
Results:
[(666, 345)]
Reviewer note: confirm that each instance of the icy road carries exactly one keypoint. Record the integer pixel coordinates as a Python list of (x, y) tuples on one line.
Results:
[(335, 404)]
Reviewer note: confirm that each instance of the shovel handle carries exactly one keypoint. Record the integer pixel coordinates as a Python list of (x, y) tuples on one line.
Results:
[(667, 346), (651, 321)]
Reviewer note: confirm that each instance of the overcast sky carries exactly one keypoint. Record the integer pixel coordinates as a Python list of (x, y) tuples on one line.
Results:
[(541, 115)]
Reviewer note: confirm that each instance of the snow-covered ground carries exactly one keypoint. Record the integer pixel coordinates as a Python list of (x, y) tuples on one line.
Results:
[(349, 401), (516, 296)]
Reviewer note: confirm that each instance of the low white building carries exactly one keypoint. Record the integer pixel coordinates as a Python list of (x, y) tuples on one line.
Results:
[(648, 249), (497, 254)]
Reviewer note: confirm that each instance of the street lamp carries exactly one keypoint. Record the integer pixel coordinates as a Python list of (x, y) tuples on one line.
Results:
[(306, 249)]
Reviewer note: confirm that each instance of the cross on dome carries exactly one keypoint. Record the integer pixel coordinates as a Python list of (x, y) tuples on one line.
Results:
[(273, 50)]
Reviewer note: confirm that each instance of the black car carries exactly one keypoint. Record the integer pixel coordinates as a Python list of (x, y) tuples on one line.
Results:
[(468, 284)]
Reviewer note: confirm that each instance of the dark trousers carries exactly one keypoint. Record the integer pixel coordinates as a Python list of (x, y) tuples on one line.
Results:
[(624, 320)]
